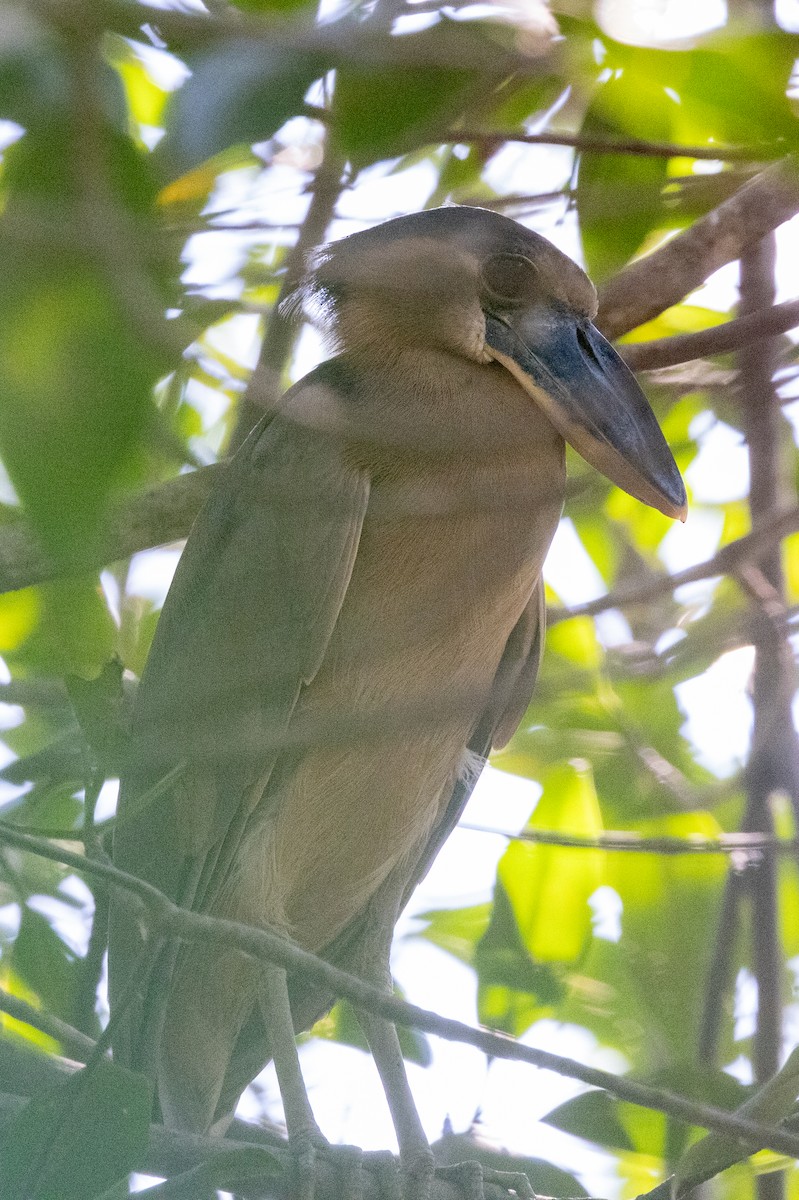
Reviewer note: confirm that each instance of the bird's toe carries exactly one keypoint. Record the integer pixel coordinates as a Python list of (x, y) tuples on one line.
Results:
[(471, 1177), (349, 1164), (305, 1148), (515, 1182), (418, 1171), (385, 1169)]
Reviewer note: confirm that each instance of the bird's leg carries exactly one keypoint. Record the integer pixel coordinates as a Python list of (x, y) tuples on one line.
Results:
[(306, 1140), (305, 1136), (416, 1156)]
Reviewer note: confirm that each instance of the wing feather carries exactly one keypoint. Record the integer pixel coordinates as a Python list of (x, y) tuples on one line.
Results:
[(248, 618)]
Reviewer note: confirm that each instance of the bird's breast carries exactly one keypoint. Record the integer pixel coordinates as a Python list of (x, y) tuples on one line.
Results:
[(447, 561)]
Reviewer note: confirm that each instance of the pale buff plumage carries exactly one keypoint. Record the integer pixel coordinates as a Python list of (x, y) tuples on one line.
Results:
[(354, 616)]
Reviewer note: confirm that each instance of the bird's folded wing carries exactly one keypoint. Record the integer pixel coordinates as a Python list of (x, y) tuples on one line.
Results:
[(254, 601)]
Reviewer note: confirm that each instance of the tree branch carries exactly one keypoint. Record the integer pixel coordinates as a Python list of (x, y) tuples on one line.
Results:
[(636, 147), (732, 335), (172, 921), (762, 418), (330, 43), (76, 1044), (172, 1153), (263, 390), (648, 286), (152, 518), (751, 546), (742, 845)]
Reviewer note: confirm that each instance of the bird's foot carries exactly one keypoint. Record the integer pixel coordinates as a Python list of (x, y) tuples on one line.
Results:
[(418, 1171), (471, 1177), (305, 1147), (385, 1167), (350, 1164)]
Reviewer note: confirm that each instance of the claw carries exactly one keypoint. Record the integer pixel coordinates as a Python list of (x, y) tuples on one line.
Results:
[(305, 1148), (305, 1155)]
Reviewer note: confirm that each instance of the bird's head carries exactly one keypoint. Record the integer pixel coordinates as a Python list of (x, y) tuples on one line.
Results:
[(474, 283)]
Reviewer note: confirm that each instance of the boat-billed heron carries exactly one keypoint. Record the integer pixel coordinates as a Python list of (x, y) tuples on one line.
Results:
[(356, 620)]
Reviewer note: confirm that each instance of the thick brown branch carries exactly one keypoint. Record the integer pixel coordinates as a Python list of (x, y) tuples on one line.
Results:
[(648, 286), (153, 518)]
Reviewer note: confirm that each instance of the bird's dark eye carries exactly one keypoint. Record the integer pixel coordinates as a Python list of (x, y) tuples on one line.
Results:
[(509, 276)]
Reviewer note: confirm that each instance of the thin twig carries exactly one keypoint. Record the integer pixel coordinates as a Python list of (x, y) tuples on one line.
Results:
[(732, 335), (263, 390), (752, 546), (75, 1043), (172, 921), (637, 147), (733, 844)]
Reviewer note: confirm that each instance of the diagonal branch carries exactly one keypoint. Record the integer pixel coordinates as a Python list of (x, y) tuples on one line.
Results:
[(173, 921), (649, 285), (724, 562), (156, 517), (72, 1040), (732, 335)]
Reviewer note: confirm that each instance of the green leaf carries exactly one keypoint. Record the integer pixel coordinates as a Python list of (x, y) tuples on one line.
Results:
[(44, 963), (644, 994), (241, 91), (456, 930), (734, 91), (513, 990), (77, 386), (34, 76), (379, 113), (100, 707), (41, 167), (77, 373), (74, 1140), (619, 196), (75, 633), (276, 6), (593, 1116), (548, 887), (386, 111)]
